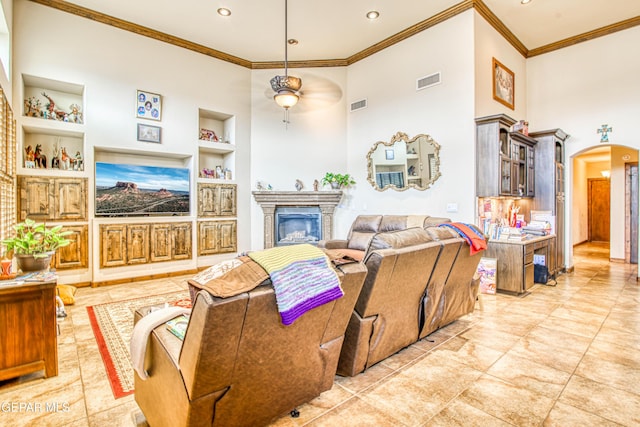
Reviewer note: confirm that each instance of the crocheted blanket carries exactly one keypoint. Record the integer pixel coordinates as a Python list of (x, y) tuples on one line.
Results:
[(302, 278), (476, 241)]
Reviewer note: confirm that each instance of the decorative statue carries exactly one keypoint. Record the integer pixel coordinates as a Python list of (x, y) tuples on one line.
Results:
[(32, 107), (39, 158), (65, 160), (29, 157), (75, 116), (55, 160), (299, 185), (78, 162), (316, 184), (51, 112)]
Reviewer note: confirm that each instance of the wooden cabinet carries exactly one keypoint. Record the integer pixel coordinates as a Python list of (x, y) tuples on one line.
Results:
[(505, 160), (74, 255), (52, 199), (550, 184), (28, 332), (216, 200), (516, 261), (215, 237), (131, 244)]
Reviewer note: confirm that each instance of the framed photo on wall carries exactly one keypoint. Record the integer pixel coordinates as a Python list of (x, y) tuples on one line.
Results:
[(503, 84), (148, 105), (148, 133)]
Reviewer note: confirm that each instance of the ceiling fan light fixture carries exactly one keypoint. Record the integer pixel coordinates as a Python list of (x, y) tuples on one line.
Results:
[(286, 98), (223, 11)]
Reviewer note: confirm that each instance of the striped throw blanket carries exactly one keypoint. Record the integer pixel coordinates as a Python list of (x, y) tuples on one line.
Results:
[(302, 278), (474, 238)]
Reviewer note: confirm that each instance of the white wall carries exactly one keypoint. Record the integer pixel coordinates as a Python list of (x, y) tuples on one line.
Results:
[(112, 64), (388, 81), (314, 141), (490, 44), (6, 27), (582, 87)]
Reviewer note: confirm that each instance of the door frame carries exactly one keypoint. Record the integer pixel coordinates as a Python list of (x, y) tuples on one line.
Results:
[(631, 218)]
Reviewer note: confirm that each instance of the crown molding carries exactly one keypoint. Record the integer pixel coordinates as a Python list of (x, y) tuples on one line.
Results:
[(455, 10), (589, 35), (140, 30)]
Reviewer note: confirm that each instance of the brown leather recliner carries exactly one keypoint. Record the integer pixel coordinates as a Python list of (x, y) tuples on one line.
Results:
[(453, 287), (386, 316), (238, 365), (364, 227)]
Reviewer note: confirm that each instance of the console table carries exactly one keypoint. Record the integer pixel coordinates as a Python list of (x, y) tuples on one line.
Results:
[(28, 332), (515, 261)]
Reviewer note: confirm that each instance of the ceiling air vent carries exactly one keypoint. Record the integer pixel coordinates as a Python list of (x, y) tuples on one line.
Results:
[(428, 81), (358, 105)]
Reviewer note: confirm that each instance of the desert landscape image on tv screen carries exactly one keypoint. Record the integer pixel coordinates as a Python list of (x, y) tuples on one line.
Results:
[(132, 190)]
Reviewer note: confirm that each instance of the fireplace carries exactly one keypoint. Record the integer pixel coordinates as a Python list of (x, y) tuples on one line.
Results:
[(293, 217), (295, 225)]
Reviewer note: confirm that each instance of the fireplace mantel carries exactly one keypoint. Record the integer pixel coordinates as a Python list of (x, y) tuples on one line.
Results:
[(269, 200)]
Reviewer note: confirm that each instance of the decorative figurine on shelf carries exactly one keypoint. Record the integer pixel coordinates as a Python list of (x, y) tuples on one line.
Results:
[(75, 116), (299, 185), (52, 113), (32, 107), (78, 163), (55, 160), (65, 160), (316, 184), (39, 158), (29, 158)]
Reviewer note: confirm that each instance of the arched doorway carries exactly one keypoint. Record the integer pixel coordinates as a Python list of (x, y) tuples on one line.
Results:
[(604, 200)]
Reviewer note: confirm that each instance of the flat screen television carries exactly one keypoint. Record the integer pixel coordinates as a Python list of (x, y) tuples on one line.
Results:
[(133, 190)]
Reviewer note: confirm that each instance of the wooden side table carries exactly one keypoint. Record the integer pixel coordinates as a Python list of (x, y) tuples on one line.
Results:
[(28, 332)]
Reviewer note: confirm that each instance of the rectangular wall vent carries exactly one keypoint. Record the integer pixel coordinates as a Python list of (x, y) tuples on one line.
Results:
[(428, 81), (358, 105)]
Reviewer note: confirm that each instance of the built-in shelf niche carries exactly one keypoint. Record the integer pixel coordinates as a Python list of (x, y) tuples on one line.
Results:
[(65, 100), (59, 151), (216, 146)]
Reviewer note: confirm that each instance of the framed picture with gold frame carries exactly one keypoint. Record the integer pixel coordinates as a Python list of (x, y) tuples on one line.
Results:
[(503, 84)]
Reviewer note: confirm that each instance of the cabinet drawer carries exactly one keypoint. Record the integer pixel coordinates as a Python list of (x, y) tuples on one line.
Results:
[(528, 258)]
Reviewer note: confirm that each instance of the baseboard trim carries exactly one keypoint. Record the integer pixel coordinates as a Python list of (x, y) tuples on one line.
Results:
[(142, 278), (617, 260), (580, 243)]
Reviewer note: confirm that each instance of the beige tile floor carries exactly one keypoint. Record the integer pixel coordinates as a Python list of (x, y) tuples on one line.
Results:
[(567, 355)]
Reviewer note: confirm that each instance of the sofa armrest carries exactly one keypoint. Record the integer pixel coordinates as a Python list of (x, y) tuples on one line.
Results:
[(333, 244)]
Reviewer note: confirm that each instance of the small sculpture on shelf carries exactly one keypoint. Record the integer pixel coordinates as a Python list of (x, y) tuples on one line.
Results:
[(55, 160), (208, 135), (65, 160), (78, 162), (51, 112), (32, 107), (316, 185), (29, 157), (39, 158), (299, 185), (75, 116)]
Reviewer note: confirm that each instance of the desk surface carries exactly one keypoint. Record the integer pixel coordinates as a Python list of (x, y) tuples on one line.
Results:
[(533, 239)]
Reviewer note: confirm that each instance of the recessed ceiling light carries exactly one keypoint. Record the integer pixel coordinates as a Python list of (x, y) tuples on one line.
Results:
[(223, 11), (292, 41), (373, 14), (525, 1)]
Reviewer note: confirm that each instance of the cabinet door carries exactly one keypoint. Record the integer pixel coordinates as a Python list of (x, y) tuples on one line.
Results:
[(36, 198), (207, 198), (70, 197), (181, 238), (226, 236), (160, 242), (74, 255), (113, 245), (505, 176), (227, 200), (138, 243), (531, 171), (207, 244)]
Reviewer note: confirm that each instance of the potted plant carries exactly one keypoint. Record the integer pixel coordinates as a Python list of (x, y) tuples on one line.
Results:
[(337, 180), (34, 244)]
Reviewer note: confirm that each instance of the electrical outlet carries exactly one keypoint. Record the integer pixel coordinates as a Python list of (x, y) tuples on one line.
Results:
[(452, 207)]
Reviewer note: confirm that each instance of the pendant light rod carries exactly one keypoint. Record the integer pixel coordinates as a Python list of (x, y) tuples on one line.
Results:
[(286, 37)]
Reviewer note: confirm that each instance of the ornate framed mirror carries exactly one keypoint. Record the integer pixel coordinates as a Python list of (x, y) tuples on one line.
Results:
[(404, 163)]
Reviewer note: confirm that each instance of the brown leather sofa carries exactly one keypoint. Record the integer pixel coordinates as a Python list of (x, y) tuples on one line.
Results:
[(238, 365), (364, 227), (418, 280)]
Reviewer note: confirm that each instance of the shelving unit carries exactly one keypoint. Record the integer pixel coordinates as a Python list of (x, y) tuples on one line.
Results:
[(216, 148)]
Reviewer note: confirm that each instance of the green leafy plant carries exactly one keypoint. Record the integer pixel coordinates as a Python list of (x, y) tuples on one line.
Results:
[(341, 180), (36, 239)]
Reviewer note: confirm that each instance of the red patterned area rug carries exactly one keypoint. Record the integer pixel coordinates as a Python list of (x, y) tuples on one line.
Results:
[(112, 325)]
